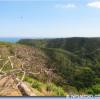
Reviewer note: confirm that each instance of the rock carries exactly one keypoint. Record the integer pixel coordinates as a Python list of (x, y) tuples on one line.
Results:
[(26, 89), (8, 87)]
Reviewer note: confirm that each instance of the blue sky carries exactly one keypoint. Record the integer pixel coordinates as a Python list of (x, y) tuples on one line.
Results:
[(49, 18)]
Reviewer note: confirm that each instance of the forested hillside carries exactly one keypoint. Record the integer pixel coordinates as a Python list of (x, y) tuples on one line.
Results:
[(40, 69), (76, 60)]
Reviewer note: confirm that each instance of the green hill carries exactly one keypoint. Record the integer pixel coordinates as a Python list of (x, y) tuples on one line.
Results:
[(76, 60), (75, 44), (53, 70)]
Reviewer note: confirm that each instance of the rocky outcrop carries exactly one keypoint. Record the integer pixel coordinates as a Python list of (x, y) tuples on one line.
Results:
[(10, 86)]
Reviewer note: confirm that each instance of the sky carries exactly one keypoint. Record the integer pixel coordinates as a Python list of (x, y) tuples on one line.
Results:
[(49, 18)]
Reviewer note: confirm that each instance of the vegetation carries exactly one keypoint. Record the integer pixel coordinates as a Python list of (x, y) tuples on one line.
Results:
[(70, 65), (76, 60), (48, 89)]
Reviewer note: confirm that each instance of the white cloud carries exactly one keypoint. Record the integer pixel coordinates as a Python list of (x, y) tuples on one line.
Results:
[(95, 4), (64, 6)]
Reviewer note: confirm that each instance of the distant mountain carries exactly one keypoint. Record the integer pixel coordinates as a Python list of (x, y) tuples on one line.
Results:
[(85, 48), (75, 44)]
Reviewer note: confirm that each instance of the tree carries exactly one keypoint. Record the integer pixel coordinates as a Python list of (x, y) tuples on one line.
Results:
[(84, 77)]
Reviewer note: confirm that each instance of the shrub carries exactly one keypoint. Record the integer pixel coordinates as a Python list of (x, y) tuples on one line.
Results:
[(28, 79), (71, 90), (84, 78), (52, 88), (36, 85), (55, 91), (97, 80), (96, 88), (89, 91)]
